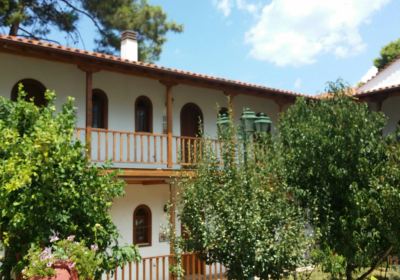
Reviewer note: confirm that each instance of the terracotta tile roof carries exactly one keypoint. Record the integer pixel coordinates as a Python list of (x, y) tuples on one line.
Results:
[(104, 58), (326, 95)]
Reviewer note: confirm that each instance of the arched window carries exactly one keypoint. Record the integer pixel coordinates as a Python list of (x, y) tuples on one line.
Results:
[(99, 109), (143, 114), (33, 88), (142, 226)]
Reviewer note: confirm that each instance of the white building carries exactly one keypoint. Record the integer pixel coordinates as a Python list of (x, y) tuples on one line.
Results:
[(382, 92), (141, 116), (144, 118)]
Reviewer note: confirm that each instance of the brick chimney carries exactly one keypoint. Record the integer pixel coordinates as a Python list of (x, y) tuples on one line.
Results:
[(129, 45)]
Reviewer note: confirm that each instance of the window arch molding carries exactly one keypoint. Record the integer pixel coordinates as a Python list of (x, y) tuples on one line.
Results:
[(142, 228), (143, 114), (33, 88), (99, 109)]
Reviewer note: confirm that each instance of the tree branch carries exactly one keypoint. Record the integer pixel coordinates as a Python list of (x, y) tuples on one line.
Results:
[(33, 36), (86, 14), (376, 263)]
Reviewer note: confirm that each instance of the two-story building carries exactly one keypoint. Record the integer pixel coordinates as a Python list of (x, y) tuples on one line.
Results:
[(145, 119), (142, 117)]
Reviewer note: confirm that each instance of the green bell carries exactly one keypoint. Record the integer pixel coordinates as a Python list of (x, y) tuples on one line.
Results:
[(263, 123), (247, 119), (223, 122)]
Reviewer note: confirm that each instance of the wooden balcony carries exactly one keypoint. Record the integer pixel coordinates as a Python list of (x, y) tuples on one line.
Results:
[(126, 149), (158, 268)]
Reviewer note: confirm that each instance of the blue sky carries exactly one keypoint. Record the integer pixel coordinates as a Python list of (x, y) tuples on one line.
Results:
[(290, 44)]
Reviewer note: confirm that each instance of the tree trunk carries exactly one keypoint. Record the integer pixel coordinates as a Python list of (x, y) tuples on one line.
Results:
[(14, 29), (377, 262), (349, 272)]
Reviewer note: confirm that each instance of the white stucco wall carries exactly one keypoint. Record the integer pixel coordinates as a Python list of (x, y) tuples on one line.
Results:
[(155, 197), (256, 104), (391, 108), (122, 91), (66, 79)]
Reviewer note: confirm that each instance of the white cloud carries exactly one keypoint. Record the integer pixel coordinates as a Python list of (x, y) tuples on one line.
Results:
[(226, 6), (296, 32), (298, 83)]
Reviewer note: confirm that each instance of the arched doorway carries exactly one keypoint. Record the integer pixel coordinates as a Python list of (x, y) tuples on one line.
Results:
[(191, 126), (33, 88), (99, 109), (143, 114), (191, 120)]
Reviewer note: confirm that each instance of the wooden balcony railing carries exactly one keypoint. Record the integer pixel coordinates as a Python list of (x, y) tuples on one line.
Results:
[(142, 148), (190, 149), (158, 268)]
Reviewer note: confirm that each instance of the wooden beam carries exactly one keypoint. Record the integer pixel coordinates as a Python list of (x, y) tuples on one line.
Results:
[(88, 68), (231, 96), (145, 182), (168, 93), (89, 110), (153, 173), (172, 220)]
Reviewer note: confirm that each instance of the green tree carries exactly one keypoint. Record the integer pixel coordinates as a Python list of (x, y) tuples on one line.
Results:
[(388, 53), (48, 185), (239, 214), (346, 174), (35, 18)]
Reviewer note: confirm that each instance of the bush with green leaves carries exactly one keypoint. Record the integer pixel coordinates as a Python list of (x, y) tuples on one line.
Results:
[(47, 183), (238, 213), (76, 255), (346, 173)]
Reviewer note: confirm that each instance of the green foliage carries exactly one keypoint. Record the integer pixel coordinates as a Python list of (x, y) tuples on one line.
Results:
[(75, 254), (239, 214), (47, 183), (35, 19), (388, 53), (346, 173)]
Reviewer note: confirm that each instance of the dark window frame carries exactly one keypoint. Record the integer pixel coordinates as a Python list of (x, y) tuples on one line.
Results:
[(149, 116), (29, 84), (148, 221), (102, 97)]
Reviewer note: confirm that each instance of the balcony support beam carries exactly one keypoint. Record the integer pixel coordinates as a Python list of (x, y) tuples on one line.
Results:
[(89, 109), (231, 96), (168, 91), (172, 221), (89, 70)]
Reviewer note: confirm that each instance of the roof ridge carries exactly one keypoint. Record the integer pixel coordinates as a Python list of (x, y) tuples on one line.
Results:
[(382, 69)]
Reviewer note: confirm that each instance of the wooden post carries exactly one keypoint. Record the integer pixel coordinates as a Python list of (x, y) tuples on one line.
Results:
[(281, 103), (89, 110), (169, 125), (231, 96), (172, 213), (168, 90)]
